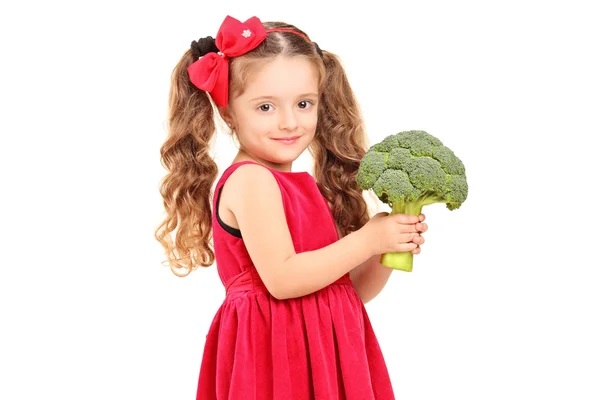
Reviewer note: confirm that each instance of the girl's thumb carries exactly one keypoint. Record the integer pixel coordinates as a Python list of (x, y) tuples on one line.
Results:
[(380, 215)]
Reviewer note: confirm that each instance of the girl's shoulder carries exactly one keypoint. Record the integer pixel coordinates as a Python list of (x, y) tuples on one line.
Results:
[(254, 182), (246, 171), (250, 181), (255, 172)]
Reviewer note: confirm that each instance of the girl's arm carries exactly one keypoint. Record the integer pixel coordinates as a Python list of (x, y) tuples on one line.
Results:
[(370, 277), (253, 198)]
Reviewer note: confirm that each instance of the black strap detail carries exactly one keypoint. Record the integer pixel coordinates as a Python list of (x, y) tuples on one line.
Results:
[(233, 231)]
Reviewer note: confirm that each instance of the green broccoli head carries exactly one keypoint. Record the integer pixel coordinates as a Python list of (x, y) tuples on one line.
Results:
[(411, 169)]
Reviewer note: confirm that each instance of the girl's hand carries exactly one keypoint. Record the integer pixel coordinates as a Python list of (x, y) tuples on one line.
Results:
[(419, 239), (386, 233)]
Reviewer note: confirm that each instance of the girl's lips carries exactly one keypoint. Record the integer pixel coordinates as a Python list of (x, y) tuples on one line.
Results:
[(287, 140)]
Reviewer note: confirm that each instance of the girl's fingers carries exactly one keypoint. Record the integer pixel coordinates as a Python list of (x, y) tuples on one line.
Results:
[(414, 228), (407, 238), (406, 219), (404, 247), (410, 237), (413, 223), (419, 240)]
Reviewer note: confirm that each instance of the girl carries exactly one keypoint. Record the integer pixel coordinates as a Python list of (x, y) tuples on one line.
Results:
[(297, 255)]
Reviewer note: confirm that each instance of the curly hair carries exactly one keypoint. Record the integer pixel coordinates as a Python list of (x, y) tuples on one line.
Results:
[(187, 189)]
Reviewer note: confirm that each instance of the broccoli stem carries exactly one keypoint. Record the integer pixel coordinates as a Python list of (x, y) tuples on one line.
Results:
[(402, 261), (410, 208)]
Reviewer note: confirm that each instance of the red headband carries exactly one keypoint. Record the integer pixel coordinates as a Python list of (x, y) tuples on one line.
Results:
[(234, 38)]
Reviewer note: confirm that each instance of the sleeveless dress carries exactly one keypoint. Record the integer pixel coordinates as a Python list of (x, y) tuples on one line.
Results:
[(319, 346)]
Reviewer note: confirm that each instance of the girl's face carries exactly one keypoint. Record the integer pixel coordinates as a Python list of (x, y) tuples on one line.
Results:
[(276, 117)]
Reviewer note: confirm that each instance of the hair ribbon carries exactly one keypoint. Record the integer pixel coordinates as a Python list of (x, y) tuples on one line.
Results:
[(234, 38)]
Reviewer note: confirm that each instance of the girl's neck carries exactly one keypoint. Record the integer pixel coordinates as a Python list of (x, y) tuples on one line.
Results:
[(244, 156)]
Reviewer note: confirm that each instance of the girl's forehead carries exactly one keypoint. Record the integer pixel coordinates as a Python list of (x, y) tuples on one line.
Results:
[(284, 75)]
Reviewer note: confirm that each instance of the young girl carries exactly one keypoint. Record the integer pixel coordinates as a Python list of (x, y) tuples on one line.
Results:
[(298, 256)]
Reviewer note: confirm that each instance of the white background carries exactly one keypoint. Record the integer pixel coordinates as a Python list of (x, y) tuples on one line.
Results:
[(503, 302)]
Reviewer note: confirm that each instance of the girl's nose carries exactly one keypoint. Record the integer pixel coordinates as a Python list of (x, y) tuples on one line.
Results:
[(288, 120)]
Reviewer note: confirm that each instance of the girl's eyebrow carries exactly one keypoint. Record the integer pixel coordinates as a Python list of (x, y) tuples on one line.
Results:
[(275, 98)]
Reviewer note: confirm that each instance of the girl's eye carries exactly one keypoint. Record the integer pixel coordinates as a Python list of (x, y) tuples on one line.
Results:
[(264, 107), (304, 104)]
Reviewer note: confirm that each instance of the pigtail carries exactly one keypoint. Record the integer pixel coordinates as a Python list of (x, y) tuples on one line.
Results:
[(339, 145), (191, 172)]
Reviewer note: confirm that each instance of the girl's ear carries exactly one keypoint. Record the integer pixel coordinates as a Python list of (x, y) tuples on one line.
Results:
[(225, 115)]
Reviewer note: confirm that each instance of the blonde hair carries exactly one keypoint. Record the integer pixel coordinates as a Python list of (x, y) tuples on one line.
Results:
[(339, 145)]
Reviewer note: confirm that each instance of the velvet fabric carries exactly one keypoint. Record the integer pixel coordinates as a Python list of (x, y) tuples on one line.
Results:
[(319, 346)]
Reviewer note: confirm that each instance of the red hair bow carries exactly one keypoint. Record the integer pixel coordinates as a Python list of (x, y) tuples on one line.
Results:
[(211, 72)]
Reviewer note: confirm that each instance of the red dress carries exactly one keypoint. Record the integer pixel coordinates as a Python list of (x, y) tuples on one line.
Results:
[(319, 346)]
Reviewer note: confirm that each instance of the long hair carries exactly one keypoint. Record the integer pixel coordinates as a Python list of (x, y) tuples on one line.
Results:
[(191, 172), (339, 145), (186, 189)]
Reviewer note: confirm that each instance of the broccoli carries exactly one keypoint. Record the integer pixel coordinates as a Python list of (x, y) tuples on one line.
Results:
[(407, 171)]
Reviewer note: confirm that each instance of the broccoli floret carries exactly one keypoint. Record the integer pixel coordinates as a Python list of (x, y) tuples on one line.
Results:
[(408, 171), (420, 143), (387, 144), (448, 161), (375, 163), (455, 189), (394, 186)]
